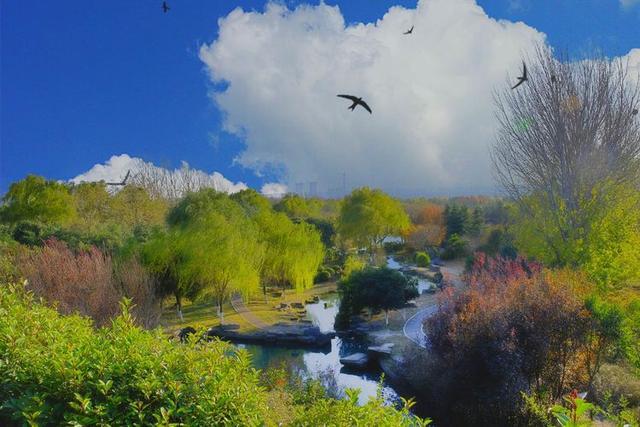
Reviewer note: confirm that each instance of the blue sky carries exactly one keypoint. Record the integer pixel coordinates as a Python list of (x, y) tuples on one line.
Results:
[(83, 80)]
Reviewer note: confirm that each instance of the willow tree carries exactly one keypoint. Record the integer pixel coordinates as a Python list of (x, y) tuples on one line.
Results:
[(222, 249), (368, 216), (223, 255), (568, 152), (293, 251)]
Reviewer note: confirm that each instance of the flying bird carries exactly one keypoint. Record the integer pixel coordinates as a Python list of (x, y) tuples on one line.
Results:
[(409, 31), (124, 181), (522, 78), (356, 101), (165, 7)]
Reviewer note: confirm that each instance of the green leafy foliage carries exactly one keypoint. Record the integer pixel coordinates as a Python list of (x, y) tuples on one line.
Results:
[(37, 199), (368, 216), (60, 370), (604, 244), (375, 289), (456, 218), (423, 259), (574, 413), (454, 247), (295, 206)]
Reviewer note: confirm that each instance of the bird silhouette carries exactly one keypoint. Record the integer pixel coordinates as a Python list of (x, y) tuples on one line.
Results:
[(522, 78), (356, 101), (165, 7), (635, 111), (124, 181), (409, 31), (553, 78)]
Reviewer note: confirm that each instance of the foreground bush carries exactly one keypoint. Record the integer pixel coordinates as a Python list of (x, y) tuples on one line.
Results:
[(60, 370), (515, 329)]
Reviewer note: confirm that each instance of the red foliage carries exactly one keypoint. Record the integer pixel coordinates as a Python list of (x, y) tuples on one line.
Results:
[(510, 330), (84, 282)]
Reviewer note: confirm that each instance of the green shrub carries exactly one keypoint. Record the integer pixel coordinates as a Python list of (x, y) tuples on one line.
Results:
[(29, 233), (60, 370), (423, 259), (325, 273), (455, 247)]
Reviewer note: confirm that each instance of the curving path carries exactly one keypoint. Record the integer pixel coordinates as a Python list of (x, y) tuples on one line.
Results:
[(242, 310), (413, 327)]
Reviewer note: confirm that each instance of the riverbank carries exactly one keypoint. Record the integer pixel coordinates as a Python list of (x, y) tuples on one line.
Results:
[(265, 312)]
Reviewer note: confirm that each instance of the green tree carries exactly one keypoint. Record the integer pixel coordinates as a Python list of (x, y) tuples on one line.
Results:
[(37, 199), (223, 255), (606, 249), (570, 172), (222, 248), (377, 289), (198, 204), (93, 204), (164, 254), (293, 251), (368, 216), (295, 206), (456, 219), (454, 247), (476, 222), (132, 206)]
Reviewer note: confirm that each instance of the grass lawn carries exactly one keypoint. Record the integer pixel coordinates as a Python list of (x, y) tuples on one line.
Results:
[(203, 314)]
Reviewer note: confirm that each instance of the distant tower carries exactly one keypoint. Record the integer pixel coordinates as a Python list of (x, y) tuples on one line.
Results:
[(313, 189), (300, 188)]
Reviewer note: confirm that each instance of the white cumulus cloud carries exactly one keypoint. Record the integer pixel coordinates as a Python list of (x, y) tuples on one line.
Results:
[(169, 183), (431, 93)]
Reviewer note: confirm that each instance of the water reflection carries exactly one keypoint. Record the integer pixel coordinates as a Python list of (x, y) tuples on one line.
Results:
[(316, 364), (423, 284)]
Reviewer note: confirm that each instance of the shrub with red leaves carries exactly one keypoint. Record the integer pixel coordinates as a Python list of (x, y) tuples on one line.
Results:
[(84, 282), (510, 331)]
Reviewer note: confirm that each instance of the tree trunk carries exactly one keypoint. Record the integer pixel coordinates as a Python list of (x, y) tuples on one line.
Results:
[(220, 312), (179, 307)]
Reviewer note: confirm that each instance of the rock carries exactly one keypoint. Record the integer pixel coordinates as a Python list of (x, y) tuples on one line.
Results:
[(356, 360), (229, 326), (184, 333), (380, 350)]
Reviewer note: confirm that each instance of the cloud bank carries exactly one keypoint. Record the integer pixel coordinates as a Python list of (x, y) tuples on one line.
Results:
[(168, 183), (431, 93)]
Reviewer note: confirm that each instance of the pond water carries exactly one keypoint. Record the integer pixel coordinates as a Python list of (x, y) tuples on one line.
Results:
[(324, 365), (423, 284)]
